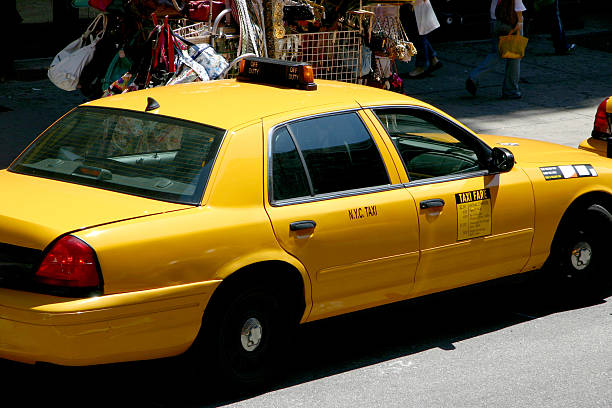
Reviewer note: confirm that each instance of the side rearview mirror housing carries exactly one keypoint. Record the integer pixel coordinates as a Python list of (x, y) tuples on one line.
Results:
[(502, 160)]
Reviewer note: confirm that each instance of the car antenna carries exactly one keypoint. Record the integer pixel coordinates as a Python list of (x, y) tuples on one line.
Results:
[(152, 104)]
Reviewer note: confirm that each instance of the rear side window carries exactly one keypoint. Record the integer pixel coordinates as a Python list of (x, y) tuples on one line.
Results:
[(331, 154), (130, 152), (289, 179)]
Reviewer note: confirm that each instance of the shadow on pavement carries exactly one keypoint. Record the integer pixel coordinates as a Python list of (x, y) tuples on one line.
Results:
[(321, 349)]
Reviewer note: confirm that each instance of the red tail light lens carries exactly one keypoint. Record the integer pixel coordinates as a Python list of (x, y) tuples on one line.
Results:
[(601, 128), (71, 262)]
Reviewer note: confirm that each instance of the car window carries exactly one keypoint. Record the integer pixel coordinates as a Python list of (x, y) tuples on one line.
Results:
[(130, 152), (427, 146), (289, 179), (336, 152)]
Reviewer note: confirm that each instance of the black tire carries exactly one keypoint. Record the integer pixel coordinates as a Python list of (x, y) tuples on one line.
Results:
[(580, 253), (245, 332)]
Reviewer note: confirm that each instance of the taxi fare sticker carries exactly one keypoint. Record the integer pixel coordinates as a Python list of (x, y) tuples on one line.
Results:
[(473, 214), (566, 172)]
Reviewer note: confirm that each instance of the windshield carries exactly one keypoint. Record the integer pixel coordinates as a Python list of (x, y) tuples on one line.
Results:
[(130, 152)]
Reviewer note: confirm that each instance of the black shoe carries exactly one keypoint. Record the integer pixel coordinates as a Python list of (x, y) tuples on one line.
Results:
[(516, 96), (434, 67), (470, 86), (569, 50)]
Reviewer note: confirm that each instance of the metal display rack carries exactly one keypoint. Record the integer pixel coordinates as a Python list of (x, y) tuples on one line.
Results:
[(334, 55)]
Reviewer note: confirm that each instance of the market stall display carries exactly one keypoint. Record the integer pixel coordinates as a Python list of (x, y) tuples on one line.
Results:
[(162, 42)]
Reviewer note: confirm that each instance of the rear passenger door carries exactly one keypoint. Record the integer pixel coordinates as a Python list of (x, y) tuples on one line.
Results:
[(336, 204)]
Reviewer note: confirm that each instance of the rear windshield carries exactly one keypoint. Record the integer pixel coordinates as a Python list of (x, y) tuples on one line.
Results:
[(130, 152)]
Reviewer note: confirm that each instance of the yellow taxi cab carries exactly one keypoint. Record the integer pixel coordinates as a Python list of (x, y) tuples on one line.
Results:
[(214, 217), (601, 136)]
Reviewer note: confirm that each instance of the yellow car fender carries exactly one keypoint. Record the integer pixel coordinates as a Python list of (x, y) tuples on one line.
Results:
[(271, 255), (553, 200)]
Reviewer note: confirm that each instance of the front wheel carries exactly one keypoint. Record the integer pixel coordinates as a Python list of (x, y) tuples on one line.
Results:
[(580, 253)]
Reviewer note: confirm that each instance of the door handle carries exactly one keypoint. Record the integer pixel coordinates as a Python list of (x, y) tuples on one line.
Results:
[(434, 202), (302, 225)]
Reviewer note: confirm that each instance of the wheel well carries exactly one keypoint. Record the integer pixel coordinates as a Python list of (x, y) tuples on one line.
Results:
[(577, 207), (281, 277)]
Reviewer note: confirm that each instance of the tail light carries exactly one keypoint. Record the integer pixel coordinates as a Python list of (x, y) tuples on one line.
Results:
[(603, 120), (69, 263)]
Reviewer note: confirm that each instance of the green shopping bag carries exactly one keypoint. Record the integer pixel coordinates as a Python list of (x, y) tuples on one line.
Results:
[(117, 67), (512, 46)]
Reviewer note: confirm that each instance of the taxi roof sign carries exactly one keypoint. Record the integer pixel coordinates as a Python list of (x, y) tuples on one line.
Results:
[(273, 71)]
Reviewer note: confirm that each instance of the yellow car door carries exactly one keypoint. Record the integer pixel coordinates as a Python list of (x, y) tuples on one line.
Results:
[(337, 207), (474, 225)]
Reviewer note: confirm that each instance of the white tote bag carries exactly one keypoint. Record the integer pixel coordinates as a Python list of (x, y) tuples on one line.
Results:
[(425, 17), (66, 68)]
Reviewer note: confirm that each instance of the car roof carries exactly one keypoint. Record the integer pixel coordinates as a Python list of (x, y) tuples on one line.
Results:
[(229, 103)]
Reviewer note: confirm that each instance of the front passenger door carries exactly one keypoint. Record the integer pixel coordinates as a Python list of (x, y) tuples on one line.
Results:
[(474, 226)]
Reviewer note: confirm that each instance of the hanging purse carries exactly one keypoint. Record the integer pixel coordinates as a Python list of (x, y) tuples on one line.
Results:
[(200, 10), (297, 11), (197, 61), (425, 17), (67, 66), (99, 4), (170, 8)]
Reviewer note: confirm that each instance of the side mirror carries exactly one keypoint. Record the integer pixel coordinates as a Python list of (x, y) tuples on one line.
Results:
[(502, 160)]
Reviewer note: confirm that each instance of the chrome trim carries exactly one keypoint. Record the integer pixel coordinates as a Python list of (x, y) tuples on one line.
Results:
[(302, 160), (341, 194), (319, 197), (442, 179)]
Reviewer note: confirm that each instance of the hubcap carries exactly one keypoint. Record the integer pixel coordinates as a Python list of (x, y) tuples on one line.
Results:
[(250, 335), (581, 255)]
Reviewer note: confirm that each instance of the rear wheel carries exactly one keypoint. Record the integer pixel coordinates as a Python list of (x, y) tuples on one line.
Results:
[(244, 333)]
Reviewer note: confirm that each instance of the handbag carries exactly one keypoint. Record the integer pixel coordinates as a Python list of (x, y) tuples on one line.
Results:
[(99, 4), (67, 66), (298, 11), (197, 61), (512, 46), (170, 8), (199, 10), (425, 17), (119, 65)]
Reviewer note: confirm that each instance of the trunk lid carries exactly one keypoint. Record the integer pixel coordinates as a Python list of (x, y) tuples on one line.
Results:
[(34, 211)]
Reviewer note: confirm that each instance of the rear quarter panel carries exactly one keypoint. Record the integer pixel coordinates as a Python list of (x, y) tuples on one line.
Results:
[(230, 230)]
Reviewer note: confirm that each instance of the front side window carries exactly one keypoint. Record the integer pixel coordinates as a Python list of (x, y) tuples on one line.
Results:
[(130, 152), (335, 153), (427, 145)]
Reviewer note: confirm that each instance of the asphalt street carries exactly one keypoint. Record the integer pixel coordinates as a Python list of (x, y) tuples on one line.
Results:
[(517, 343)]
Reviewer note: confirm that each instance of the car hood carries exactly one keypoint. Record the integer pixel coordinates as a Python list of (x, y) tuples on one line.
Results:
[(535, 151), (34, 211)]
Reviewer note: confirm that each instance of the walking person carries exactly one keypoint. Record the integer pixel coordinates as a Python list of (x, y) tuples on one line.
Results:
[(426, 59), (549, 11), (506, 18)]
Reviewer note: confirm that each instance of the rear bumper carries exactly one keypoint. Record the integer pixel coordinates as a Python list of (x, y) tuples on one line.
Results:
[(122, 327)]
